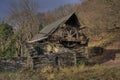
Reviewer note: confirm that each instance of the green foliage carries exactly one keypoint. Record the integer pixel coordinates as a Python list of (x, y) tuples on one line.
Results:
[(6, 46), (40, 27), (5, 30), (7, 54)]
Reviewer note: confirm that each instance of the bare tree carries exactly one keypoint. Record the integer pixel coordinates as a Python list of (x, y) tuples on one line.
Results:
[(23, 18), (1, 20)]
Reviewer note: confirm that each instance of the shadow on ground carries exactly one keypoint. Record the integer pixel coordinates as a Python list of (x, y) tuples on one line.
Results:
[(107, 55)]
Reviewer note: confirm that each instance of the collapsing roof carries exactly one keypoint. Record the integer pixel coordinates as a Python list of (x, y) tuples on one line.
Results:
[(44, 33)]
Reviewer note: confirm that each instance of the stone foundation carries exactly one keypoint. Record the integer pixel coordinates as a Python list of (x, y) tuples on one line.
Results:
[(12, 64)]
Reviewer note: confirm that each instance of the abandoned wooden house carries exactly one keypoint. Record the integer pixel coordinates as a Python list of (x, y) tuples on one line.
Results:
[(61, 43)]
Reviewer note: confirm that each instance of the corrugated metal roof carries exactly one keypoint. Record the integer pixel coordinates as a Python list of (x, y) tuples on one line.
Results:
[(48, 29)]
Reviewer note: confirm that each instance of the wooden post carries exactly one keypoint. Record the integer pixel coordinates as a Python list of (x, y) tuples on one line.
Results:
[(86, 52), (75, 60), (22, 50)]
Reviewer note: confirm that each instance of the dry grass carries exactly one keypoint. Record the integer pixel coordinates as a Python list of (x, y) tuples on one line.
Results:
[(97, 72), (106, 39)]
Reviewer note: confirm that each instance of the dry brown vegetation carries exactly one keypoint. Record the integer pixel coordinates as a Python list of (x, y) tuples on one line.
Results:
[(81, 72), (102, 17)]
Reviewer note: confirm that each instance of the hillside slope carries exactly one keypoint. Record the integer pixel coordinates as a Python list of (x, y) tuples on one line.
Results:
[(102, 18), (100, 15)]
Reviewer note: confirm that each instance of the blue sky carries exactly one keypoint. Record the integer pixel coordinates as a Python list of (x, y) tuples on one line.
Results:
[(45, 5)]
